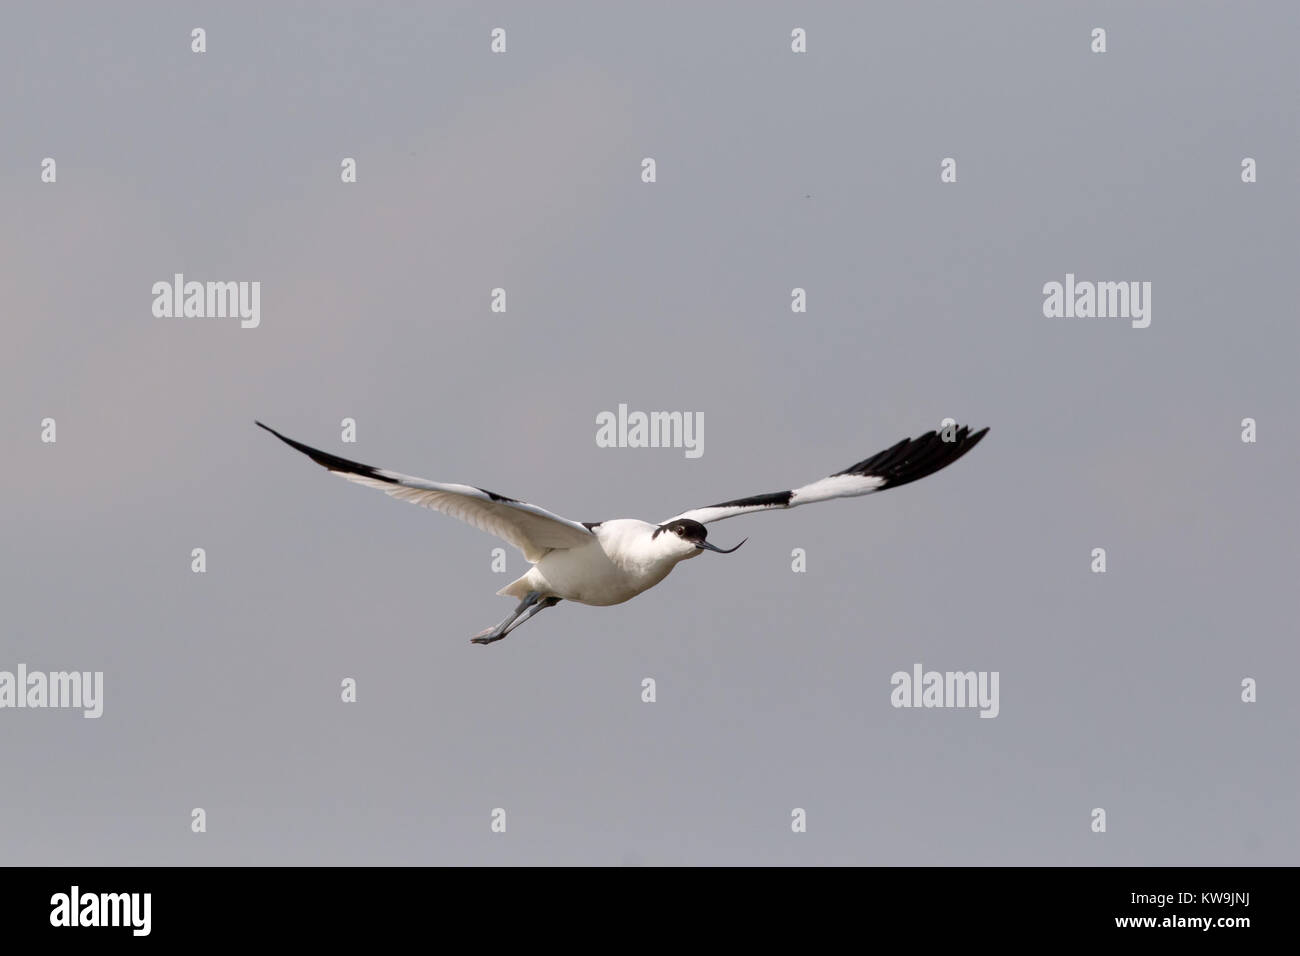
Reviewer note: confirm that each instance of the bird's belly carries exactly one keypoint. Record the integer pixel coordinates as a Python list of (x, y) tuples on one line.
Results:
[(589, 577)]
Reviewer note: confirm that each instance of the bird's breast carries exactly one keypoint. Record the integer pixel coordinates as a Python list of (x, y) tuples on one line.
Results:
[(599, 574)]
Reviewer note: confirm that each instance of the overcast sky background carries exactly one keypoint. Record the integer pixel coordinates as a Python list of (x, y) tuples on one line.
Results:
[(775, 170)]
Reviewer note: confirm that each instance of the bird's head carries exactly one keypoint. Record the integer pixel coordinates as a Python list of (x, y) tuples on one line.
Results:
[(685, 538)]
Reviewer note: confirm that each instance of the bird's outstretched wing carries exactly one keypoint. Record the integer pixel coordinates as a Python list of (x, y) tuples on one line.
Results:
[(531, 529), (910, 459)]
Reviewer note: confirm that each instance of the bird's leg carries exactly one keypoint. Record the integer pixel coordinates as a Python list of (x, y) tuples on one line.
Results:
[(541, 605), (496, 633)]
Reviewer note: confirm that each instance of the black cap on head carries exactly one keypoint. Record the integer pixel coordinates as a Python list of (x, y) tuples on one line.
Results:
[(694, 532), (685, 528)]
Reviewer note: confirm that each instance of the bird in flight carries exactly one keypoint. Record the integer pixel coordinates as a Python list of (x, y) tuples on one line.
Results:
[(608, 562)]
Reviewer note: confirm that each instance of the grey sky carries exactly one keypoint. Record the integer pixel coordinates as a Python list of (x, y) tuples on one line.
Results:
[(522, 170)]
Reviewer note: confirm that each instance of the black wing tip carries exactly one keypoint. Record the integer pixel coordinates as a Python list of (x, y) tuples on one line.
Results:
[(327, 460), (915, 458)]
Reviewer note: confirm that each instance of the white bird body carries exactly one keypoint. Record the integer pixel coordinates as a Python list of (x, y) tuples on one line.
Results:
[(609, 562), (623, 558)]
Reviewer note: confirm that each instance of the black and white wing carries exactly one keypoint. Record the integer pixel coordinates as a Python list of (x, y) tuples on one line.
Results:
[(531, 529), (910, 459)]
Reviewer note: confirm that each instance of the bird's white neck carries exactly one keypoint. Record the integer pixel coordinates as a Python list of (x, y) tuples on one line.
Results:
[(640, 545)]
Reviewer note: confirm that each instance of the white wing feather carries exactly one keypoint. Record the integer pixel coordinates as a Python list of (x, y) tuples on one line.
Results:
[(905, 462), (531, 529)]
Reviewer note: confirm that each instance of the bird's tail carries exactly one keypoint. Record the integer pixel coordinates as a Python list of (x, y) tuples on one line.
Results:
[(517, 588)]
